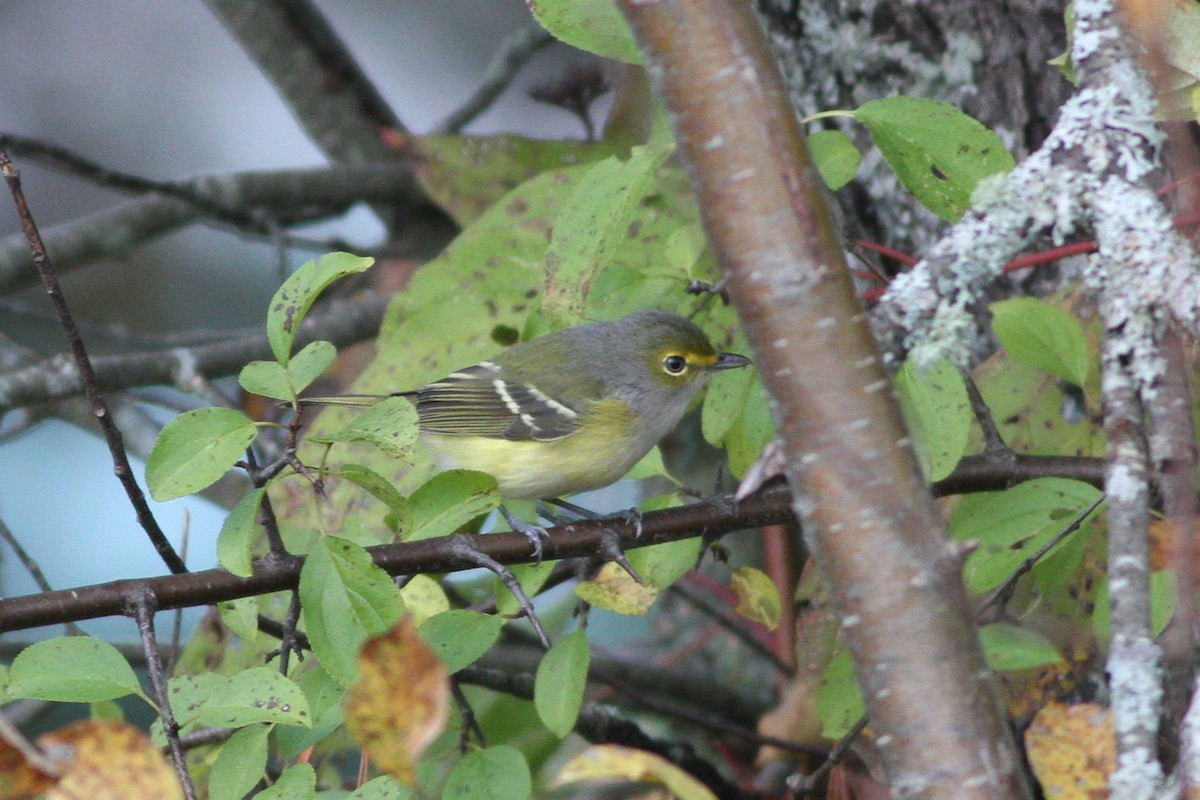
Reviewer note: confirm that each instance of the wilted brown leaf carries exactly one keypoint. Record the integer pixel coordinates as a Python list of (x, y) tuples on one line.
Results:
[(106, 760), (19, 779), (1072, 751), (400, 702)]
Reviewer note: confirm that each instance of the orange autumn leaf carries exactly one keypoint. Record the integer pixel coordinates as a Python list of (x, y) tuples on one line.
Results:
[(19, 778), (400, 702), (106, 760), (1072, 750)]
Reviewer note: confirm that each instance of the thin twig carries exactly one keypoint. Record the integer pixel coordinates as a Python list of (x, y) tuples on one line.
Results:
[(730, 623), (512, 54), (288, 641), (806, 783), (143, 608), (994, 443), (469, 722), (33, 568), (177, 616), (1025, 566), (99, 406)]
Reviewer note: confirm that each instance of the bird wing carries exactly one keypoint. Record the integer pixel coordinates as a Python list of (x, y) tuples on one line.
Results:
[(478, 401)]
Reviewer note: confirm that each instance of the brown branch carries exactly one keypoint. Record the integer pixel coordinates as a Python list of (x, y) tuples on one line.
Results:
[(342, 322), (328, 93), (112, 436), (858, 490), (295, 195), (439, 555)]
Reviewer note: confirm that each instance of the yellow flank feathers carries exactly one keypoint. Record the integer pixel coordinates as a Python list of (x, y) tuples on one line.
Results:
[(590, 458)]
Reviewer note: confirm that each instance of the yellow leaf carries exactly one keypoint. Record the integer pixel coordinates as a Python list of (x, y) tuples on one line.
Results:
[(109, 761), (613, 590), (400, 702), (616, 763), (758, 599), (1072, 751), (423, 598)]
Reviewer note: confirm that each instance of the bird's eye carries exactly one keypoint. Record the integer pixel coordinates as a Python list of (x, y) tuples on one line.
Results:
[(675, 365)]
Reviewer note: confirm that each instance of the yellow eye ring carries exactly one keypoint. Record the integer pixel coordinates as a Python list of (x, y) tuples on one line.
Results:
[(675, 364)]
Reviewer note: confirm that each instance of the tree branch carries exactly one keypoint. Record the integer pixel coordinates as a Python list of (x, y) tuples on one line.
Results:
[(301, 194), (858, 490), (343, 322)]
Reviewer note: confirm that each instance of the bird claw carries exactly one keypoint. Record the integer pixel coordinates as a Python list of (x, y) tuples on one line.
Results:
[(464, 546), (536, 534)]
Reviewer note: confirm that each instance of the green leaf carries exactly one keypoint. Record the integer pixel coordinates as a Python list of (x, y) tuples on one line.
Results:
[(839, 700), (749, 435), (1011, 525), (346, 599), (495, 773), (308, 365), (660, 565), (1043, 336), (380, 488), (459, 637), (195, 449), (939, 153), (384, 787), (295, 297), (560, 683), (239, 531), (466, 175), (724, 403), (835, 157), (266, 378), (1010, 647), (590, 228), (240, 765), (938, 413), (596, 26), (241, 616), (424, 597), (325, 696), (298, 782), (390, 425), (449, 500), (1162, 605), (79, 669), (258, 694)]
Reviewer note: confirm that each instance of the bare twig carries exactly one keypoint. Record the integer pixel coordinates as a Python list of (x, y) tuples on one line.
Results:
[(343, 322), (143, 608), (512, 54), (99, 406)]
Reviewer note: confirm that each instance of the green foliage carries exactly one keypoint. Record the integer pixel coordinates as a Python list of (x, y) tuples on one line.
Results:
[(594, 223), (77, 669), (258, 694), (390, 425), (297, 782), (560, 681), (839, 700), (295, 297), (1042, 335), (596, 26), (240, 765), (1011, 647), (449, 500), (1011, 525), (939, 153), (938, 413), (195, 449), (835, 156), (235, 543), (345, 599), (460, 637), (493, 773)]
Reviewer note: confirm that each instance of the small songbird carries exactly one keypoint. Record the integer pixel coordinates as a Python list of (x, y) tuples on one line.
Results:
[(567, 412)]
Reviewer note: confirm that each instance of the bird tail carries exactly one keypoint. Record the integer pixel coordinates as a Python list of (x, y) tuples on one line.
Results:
[(351, 399)]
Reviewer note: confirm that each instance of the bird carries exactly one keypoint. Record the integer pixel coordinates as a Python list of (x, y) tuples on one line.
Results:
[(566, 412)]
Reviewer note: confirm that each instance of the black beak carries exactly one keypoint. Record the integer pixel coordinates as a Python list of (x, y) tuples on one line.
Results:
[(729, 361)]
